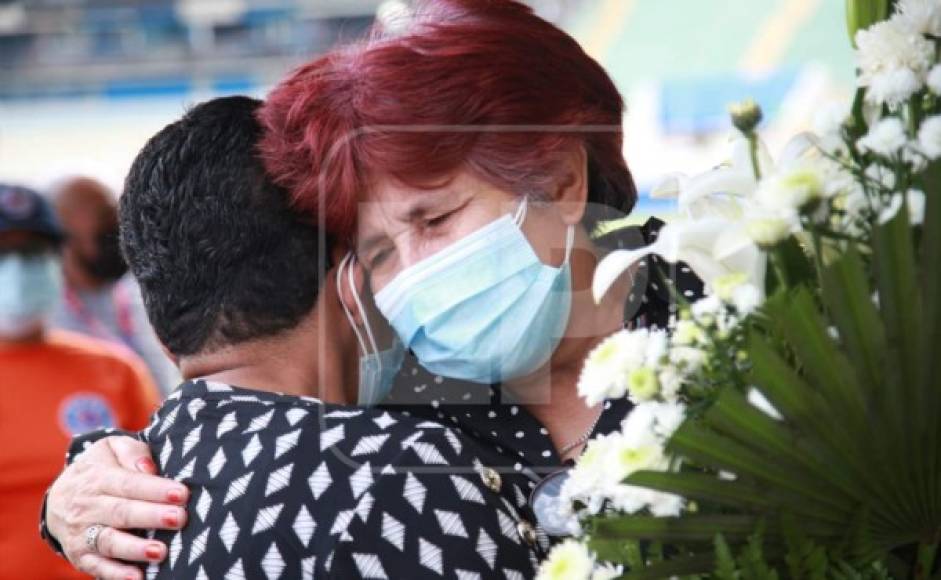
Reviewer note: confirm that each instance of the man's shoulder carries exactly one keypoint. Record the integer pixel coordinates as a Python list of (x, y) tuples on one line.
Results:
[(341, 434)]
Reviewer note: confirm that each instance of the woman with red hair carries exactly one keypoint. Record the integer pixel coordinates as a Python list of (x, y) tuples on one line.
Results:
[(469, 155)]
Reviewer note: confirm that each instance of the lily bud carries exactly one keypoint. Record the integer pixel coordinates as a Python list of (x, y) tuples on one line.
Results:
[(861, 14), (746, 115)]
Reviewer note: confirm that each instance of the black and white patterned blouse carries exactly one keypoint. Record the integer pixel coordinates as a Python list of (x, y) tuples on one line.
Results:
[(490, 416), (290, 488)]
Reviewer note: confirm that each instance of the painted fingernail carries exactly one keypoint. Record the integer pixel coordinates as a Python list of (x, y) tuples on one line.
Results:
[(175, 496), (130, 576), (153, 552), (146, 465), (171, 519)]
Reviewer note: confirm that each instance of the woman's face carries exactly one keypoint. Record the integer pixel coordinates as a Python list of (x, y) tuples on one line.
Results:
[(400, 226)]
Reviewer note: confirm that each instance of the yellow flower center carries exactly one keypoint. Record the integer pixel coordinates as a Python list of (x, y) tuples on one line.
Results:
[(643, 383)]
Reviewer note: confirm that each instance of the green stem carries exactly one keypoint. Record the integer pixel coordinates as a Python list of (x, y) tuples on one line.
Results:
[(818, 254), (926, 556), (753, 153), (779, 269)]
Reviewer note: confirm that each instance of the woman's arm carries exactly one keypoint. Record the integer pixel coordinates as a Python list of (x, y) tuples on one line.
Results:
[(113, 483)]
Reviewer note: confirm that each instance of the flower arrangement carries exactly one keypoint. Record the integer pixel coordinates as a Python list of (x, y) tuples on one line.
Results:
[(787, 425)]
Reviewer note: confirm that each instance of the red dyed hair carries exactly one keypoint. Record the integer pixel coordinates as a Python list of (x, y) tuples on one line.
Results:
[(468, 85)]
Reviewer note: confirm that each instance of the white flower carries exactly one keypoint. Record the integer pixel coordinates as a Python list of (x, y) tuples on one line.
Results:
[(934, 79), (885, 138), (767, 228), (881, 174), (706, 310), (746, 298), (607, 571), (712, 247), (604, 375), (916, 206), (929, 137), (627, 362), (791, 188), (920, 16), (893, 62), (642, 384), (666, 504), (830, 118), (569, 560), (667, 418), (758, 400), (891, 209)]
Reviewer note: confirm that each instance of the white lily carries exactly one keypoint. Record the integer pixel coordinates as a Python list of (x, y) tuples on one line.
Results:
[(712, 247), (715, 240)]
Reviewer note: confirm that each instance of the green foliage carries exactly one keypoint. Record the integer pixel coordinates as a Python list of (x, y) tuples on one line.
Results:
[(850, 473)]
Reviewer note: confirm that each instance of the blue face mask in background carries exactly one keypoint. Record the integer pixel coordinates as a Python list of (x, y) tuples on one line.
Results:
[(485, 309), (377, 368), (30, 287)]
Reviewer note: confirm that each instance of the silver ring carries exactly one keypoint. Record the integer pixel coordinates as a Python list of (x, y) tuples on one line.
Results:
[(91, 537)]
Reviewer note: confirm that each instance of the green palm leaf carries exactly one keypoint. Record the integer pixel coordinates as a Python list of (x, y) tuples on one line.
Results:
[(854, 460)]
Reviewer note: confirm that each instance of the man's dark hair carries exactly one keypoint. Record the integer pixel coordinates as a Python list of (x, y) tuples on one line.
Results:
[(219, 255)]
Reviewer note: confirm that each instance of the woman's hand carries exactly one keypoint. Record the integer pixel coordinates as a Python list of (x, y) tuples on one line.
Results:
[(113, 483)]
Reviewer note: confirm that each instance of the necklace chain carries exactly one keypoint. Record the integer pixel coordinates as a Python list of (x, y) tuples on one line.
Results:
[(584, 436)]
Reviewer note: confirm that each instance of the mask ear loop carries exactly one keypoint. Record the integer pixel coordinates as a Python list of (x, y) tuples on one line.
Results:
[(569, 243), (349, 315), (520, 217), (359, 304)]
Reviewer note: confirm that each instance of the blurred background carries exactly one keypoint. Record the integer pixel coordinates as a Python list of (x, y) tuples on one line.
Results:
[(83, 83)]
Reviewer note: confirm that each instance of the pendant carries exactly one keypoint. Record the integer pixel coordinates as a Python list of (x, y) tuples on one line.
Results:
[(546, 504)]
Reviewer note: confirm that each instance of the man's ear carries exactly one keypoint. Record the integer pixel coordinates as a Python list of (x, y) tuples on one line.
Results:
[(571, 194)]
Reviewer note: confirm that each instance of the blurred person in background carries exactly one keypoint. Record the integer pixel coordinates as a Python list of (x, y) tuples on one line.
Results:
[(55, 384), (99, 300)]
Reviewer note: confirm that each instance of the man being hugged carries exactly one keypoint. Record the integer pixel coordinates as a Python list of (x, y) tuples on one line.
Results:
[(281, 485)]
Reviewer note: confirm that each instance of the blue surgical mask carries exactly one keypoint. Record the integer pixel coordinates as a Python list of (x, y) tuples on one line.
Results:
[(485, 309), (30, 287), (377, 368)]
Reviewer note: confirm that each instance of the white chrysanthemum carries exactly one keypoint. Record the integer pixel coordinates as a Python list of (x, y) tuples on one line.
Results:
[(934, 79), (706, 309), (626, 363), (929, 137), (688, 333), (642, 384), (667, 418), (893, 62), (881, 175), (597, 480), (569, 560), (687, 358), (885, 138), (604, 375), (919, 16)]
